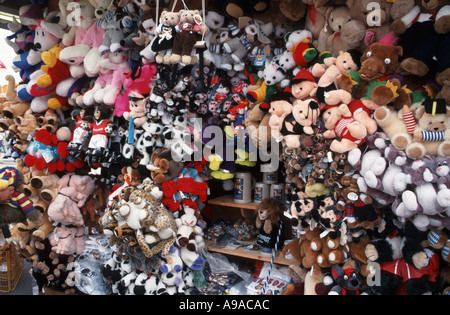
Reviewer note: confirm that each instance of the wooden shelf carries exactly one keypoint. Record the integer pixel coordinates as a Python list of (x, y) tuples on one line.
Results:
[(223, 210), (246, 253), (228, 201)]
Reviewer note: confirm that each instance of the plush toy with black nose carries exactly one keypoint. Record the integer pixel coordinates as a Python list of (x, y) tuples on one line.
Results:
[(346, 278)]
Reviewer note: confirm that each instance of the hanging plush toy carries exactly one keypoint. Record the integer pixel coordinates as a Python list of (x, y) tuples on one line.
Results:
[(165, 37), (190, 25)]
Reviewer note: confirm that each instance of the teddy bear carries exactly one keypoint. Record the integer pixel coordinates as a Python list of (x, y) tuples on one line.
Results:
[(163, 167), (185, 40), (273, 81), (340, 123), (375, 17), (341, 31), (300, 248), (423, 24), (315, 19), (303, 117), (165, 34), (257, 124), (430, 135)]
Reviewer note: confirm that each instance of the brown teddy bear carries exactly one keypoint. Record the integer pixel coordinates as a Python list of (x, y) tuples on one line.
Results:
[(301, 250), (341, 32), (315, 16), (163, 167), (375, 16), (189, 26)]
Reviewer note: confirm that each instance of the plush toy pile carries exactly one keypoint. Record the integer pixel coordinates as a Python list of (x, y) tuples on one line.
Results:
[(111, 128)]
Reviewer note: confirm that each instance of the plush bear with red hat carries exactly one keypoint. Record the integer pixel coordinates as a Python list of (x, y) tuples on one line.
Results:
[(303, 85)]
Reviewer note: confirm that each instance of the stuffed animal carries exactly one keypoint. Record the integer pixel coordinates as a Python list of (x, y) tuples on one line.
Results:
[(384, 87), (303, 85), (163, 167), (68, 241), (115, 32), (247, 37), (375, 17), (303, 117), (189, 234), (430, 135), (189, 26), (20, 208), (101, 128), (269, 220), (315, 19), (165, 35), (280, 107), (341, 32), (404, 261), (347, 279), (273, 77), (299, 43), (55, 70), (340, 123), (73, 191), (422, 25)]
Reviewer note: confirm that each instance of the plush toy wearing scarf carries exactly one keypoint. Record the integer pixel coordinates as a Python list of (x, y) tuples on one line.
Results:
[(10, 176)]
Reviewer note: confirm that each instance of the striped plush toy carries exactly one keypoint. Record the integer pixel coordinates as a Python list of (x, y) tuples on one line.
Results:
[(20, 207)]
